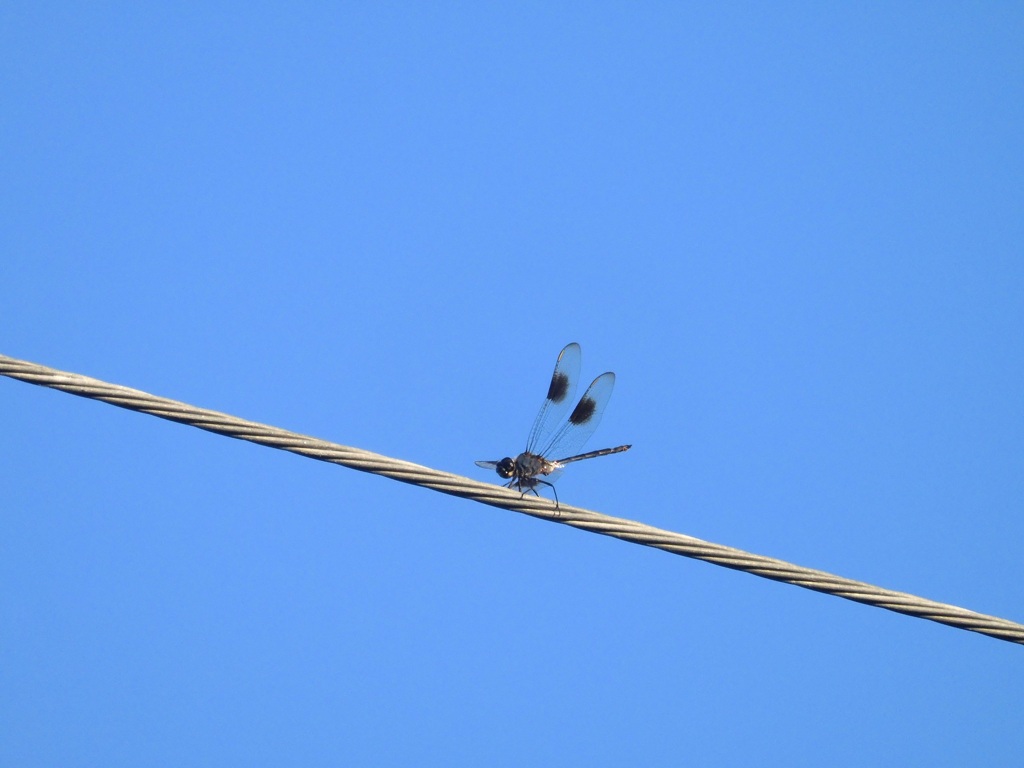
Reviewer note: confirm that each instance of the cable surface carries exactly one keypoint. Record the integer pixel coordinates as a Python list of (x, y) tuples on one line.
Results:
[(496, 496)]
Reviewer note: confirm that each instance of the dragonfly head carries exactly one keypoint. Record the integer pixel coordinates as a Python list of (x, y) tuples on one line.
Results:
[(506, 468)]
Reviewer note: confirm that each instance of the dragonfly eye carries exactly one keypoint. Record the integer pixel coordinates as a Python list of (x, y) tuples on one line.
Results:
[(506, 468)]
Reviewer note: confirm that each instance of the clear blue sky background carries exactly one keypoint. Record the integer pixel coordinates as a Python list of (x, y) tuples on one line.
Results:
[(793, 230)]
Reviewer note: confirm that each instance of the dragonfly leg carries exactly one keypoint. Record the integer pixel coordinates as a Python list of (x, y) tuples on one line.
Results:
[(531, 487), (552, 487)]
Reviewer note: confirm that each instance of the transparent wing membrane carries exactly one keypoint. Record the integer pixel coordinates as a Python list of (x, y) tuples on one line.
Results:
[(561, 392), (583, 420)]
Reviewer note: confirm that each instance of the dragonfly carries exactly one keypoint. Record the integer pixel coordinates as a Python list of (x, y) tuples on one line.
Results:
[(529, 469)]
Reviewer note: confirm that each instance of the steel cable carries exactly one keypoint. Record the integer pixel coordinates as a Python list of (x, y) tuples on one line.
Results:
[(456, 485)]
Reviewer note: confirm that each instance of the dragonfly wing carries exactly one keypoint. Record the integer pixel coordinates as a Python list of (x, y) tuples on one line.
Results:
[(582, 421), (561, 391)]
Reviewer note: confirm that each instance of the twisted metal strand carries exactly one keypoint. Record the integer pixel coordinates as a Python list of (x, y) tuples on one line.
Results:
[(456, 485)]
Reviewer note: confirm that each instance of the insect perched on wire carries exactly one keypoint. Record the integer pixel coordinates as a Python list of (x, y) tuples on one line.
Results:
[(528, 470)]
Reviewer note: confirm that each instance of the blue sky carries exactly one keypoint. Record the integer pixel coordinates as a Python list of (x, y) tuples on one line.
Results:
[(794, 231)]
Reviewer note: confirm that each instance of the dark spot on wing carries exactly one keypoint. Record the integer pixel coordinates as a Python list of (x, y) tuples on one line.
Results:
[(583, 411), (559, 386)]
